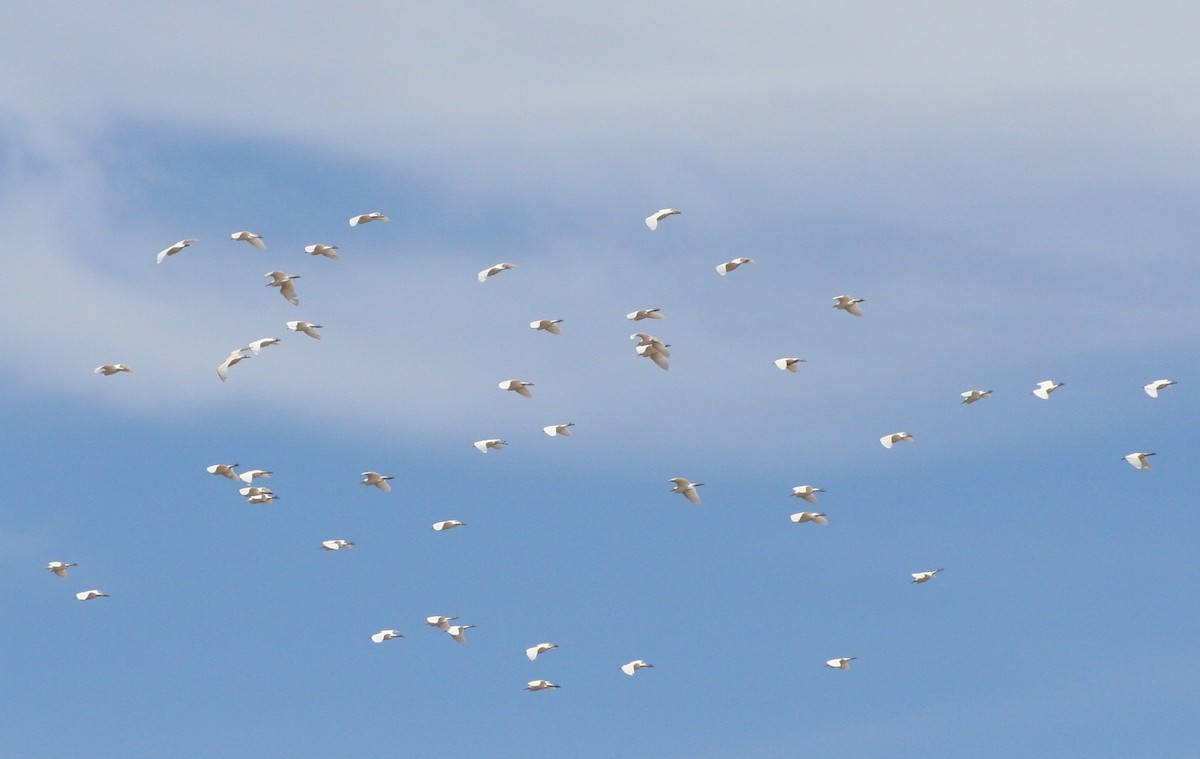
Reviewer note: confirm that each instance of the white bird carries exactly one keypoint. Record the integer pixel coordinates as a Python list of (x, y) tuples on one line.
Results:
[(336, 544), (494, 444), (1045, 387), (920, 577), (686, 489), (729, 266), (789, 364), (632, 667), (252, 490), (649, 313), (846, 303), (162, 254), (234, 357), (458, 632), (896, 437), (284, 282), (494, 270), (842, 663), (378, 480), (250, 237), (1159, 384), (439, 622), (540, 685), (250, 475), (257, 345), (809, 516), (520, 387), (258, 498), (223, 470), (541, 648), (652, 348), (367, 217), (59, 567), (448, 524), (653, 219), (88, 595), (559, 429), (329, 251), (807, 492), (547, 325), (110, 369), (1138, 460), (383, 635), (975, 395), (306, 328)]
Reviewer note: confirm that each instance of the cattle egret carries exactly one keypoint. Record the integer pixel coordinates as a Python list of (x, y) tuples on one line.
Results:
[(88, 595), (686, 489), (541, 648), (59, 567), (234, 357), (649, 313), (257, 345), (809, 516), (110, 369), (378, 480), (846, 303), (520, 387), (440, 623), (250, 475), (1045, 387), (729, 266), (896, 437), (807, 492), (336, 544), (559, 429), (162, 254), (920, 577), (250, 237), (975, 395), (789, 364), (632, 667), (284, 282), (253, 490), (653, 219), (547, 325), (260, 498), (1138, 460), (367, 217), (224, 470), (842, 663), (448, 524), (542, 684), (494, 270), (494, 444), (306, 328), (652, 348), (458, 632), (329, 251), (383, 635), (1160, 384)]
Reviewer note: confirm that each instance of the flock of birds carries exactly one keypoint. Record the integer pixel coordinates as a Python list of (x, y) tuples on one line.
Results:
[(647, 346)]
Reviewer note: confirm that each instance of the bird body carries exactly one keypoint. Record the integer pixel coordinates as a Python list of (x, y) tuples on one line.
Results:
[(975, 395), (887, 441), (849, 304), (653, 219), (234, 357), (648, 313), (494, 444), (555, 430), (809, 516), (251, 490), (686, 489), (789, 364), (729, 266), (458, 632), (162, 254), (842, 663), (110, 369), (88, 595), (378, 480), (306, 328), (923, 577), (1159, 384), (540, 685), (265, 495), (224, 470), (520, 387), (630, 668), (494, 270), (366, 218), (439, 622), (59, 568), (448, 524), (285, 283), (250, 475), (1138, 460), (652, 348), (329, 251), (547, 325), (1045, 387), (807, 492), (250, 237), (336, 544), (541, 648), (257, 345), (383, 635)]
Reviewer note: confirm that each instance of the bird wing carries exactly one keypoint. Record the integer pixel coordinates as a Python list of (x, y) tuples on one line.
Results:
[(628, 669), (257, 242), (691, 494), (854, 309), (289, 291)]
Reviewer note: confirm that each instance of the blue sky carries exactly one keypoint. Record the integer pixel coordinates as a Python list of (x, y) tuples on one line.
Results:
[(1011, 189)]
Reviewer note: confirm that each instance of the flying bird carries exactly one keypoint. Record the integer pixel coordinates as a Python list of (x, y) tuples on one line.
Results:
[(109, 370), (809, 516), (896, 437), (448, 524), (336, 544), (686, 489), (921, 577), (285, 284), (842, 663), (846, 303), (367, 217), (458, 632), (541, 648), (250, 237), (547, 325), (653, 219), (383, 635), (1138, 460), (975, 395), (632, 667), (265, 495), (59, 568), (250, 475), (652, 348), (559, 429), (306, 328), (494, 444), (329, 251), (234, 357), (88, 595), (257, 345), (439, 622), (1159, 384), (1045, 387), (378, 480), (807, 492), (494, 270), (789, 364), (540, 685), (729, 266), (649, 313), (162, 254), (252, 490), (223, 470), (520, 387)]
